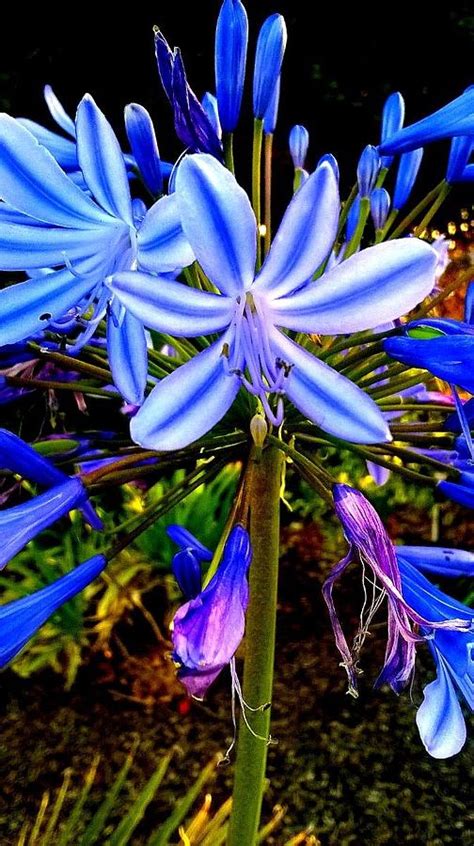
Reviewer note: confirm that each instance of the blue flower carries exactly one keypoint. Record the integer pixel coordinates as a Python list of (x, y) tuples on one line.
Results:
[(21, 619), (438, 559), (186, 564), (375, 286), (379, 206), (48, 221), (230, 59), (370, 544), (456, 118), (191, 122), (207, 630), (367, 170), (407, 172), (271, 46), (439, 718), (142, 138), (459, 167), (393, 115)]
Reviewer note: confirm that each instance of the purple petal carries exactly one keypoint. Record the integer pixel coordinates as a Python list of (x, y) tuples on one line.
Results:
[(327, 398), (374, 286), (186, 404), (305, 236), (218, 220)]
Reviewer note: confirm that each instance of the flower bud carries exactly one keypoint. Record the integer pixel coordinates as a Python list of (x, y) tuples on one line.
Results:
[(299, 143), (408, 168), (230, 59), (258, 430), (268, 60), (368, 170), (379, 206)]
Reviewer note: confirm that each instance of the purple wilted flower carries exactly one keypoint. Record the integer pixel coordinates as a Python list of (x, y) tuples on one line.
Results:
[(393, 115), (456, 118), (407, 172), (207, 629), (299, 143), (367, 170), (370, 544), (439, 717), (46, 220), (370, 288), (191, 122), (21, 619), (268, 61), (232, 32), (379, 206)]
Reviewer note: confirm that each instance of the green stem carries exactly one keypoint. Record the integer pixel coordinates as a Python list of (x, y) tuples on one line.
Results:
[(382, 233), (229, 151), (256, 180), (446, 188), (408, 220), (346, 207), (260, 646), (268, 191), (365, 337)]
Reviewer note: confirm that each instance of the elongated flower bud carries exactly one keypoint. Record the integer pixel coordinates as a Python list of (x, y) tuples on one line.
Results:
[(368, 170), (210, 106), (299, 143), (392, 121), (407, 172), (459, 169), (268, 60), (142, 138), (379, 206), (271, 115), (230, 59)]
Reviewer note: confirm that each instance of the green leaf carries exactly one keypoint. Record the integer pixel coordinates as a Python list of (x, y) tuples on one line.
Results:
[(123, 833), (98, 821)]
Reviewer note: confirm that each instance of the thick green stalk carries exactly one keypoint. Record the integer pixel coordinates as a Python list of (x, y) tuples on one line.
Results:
[(260, 646), (434, 208), (268, 145)]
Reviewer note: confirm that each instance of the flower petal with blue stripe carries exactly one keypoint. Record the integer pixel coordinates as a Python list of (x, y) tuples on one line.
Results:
[(373, 287)]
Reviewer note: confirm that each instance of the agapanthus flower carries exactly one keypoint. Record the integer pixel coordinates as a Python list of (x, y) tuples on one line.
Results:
[(370, 288), (407, 172), (370, 544), (186, 564), (208, 628), (439, 718), (393, 115), (232, 31), (21, 619), (454, 119), (368, 169), (191, 123), (271, 44), (298, 143), (441, 560), (460, 168), (379, 206), (271, 112), (48, 221)]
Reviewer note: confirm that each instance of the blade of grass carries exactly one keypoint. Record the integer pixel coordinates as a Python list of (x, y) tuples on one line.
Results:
[(123, 833), (75, 815), (162, 836)]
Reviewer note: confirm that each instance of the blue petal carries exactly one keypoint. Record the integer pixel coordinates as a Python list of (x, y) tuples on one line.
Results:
[(462, 492), (437, 559), (27, 307), (182, 537), (21, 458), (101, 160), (372, 287), (187, 404), (20, 524), (192, 124), (218, 221), (57, 111), (450, 357), (305, 236), (299, 143), (27, 247), (19, 620), (271, 113), (32, 182), (428, 600), (209, 104), (367, 170), (172, 307), (439, 717), (392, 120), (327, 398), (142, 138), (269, 54), (460, 152), (63, 149), (128, 358), (230, 59), (162, 244), (187, 571), (456, 118), (379, 207), (408, 168)]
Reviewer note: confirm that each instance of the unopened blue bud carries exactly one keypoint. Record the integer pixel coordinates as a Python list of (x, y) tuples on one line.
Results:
[(459, 169), (393, 116), (332, 161), (368, 170), (142, 138), (299, 143), (271, 115), (408, 168), (268, 61), (379, 206), (209, 104), (353, 218), (230, 59)]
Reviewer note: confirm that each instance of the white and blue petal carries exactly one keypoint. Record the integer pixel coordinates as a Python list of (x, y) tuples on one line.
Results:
[(439, 718), (188, 403), (327, 398), (58, 112), (218, 221), (377, 285), (172, 307), (128, 359), (162, 244), (33, 182), (27, 247), (101, 160), (63, 149), (305, 236)]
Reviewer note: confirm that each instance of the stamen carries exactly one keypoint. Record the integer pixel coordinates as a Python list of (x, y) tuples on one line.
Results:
[(244, 707)]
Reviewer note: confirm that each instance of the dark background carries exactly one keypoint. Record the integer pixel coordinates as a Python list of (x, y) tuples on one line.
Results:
[(340, 65)]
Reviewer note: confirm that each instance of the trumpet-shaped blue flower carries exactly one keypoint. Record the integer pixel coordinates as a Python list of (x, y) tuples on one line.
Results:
[(191, 122), (439, 718), (370, 544), (299, 143), (47, 221), (393, 115), (232, 33), (207, 629), (407, 172), (370, 288), (271, 46), (21, 619), (456, 118)]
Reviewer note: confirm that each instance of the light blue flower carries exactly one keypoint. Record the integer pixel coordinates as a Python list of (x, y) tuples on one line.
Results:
[(21, 619), (47, 221), (375, 286)]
